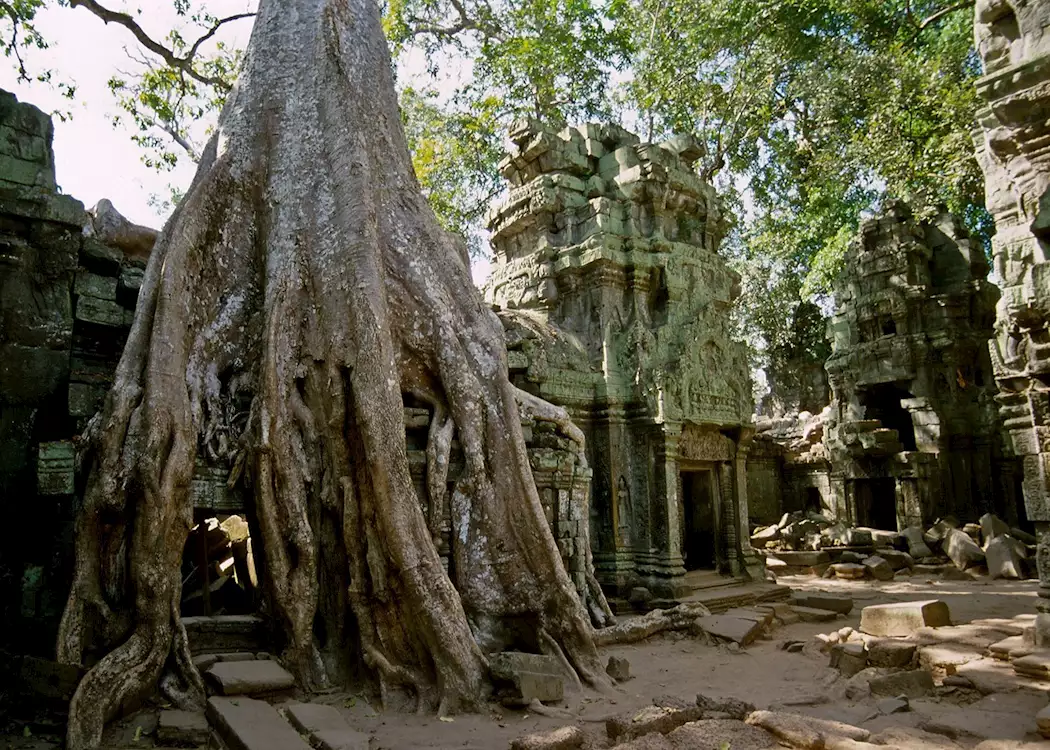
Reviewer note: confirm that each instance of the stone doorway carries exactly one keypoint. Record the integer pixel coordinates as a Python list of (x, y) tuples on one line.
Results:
[(876, 502), (700, 519)]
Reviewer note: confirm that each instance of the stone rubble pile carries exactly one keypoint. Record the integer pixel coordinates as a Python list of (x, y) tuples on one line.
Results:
[(812, 544)]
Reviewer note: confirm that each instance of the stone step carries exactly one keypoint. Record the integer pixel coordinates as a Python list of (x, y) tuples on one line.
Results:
[(249, 724), (1035, 665), (1013, 647), (182, 729), (249, 678), (325, 726), (225, 633)]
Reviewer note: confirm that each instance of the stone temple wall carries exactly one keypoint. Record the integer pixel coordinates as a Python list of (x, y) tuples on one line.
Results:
[(912, 431), (67, 295), (1013, 148), (616, 304)]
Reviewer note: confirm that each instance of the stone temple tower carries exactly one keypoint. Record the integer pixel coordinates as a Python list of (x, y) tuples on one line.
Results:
[(616, 302)]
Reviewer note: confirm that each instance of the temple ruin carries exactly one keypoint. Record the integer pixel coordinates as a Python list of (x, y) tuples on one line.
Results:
[(616, 302)]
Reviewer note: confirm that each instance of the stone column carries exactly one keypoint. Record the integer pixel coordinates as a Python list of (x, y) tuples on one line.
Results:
[(663, 565), (750, 562)]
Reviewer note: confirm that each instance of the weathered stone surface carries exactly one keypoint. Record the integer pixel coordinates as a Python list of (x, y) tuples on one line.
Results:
[(731, 707), (250, 677), (913, 683), (838, 603), (886, 652), (1003, 557), (898, 560), (903, 618), (1035, 665), (812, 614), (565, 738), (718, 734), (888, 706), (250, 724), (992, 526), (912, 738), (849, 571), (1042, 722), (804, 559), (805, 731), (325, 726), (962, 550), (848, 658), (182, 728)]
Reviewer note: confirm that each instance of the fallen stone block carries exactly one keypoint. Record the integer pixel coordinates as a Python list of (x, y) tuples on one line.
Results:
[(878, 568), (716, 734), (917, 546), (897, 560), (566, 738), (1023, 536), (992, 526), (250, 724), (904, 618), (886, 652), (731, 707), (805, 731), (848, 658), (849, 571), (805, 559), (913, 683), (249, 677), (811, 614), (735, 629), (182, 729), (765, 535), (963, 550), (946, 657), (837, 603), (619, 669), (1005, 556), (522, 678), (660, 719)]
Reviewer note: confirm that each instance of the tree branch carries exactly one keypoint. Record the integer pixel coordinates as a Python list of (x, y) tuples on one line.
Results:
[(934, 18), (185, 64)]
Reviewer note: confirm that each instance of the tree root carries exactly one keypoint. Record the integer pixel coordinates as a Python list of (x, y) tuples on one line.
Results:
[(681, 617)]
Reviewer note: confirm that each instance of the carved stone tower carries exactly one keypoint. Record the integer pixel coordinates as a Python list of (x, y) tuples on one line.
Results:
[(616, 303), (1013, 39)]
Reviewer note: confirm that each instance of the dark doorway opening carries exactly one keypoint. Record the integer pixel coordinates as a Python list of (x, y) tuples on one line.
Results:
[(218, 567), (813, 500), (883, 402), (700, 535), (876, 502)]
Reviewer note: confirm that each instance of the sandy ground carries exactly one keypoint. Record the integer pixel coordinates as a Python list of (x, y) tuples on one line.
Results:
[(762, 674)]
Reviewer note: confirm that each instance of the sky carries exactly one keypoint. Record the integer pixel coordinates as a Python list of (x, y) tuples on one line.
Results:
[(93, 158)]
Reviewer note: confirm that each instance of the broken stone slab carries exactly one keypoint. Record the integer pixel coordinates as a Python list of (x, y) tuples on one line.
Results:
[(805, 731), (878, 568), (565, 738), (946, 657), (917, 546), (325, 726), (182, 729), (764, 535), (761, 616), (1035, 665), (886, 652), (903, 618), (837, 603), (249, 677), (913, 683), (250, 724), (619, 669), (522, 678), (962, 549), (888, 706), (849, 571), (1013, 647), (898, 560), (991, 527), (812, 614), (731, 707), (660, 719), (1023, 536), (735, 629), (1004, 558)]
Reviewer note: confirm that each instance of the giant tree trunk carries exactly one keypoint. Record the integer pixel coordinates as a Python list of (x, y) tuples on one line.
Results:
[(299, 292)]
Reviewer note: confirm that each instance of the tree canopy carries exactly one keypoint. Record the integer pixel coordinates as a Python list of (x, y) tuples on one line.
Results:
[(811, 111)]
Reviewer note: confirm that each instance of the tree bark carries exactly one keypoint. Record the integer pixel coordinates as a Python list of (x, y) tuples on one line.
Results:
[(301, 289)]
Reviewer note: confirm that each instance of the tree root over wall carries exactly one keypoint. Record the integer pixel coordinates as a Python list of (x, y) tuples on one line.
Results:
[(300, 290)]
